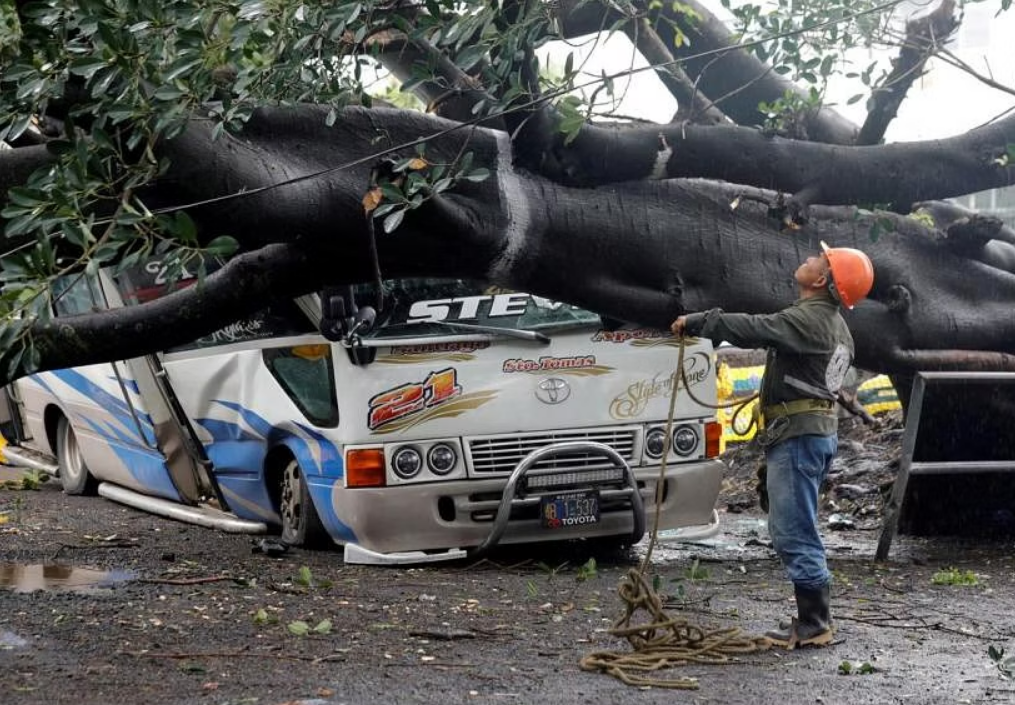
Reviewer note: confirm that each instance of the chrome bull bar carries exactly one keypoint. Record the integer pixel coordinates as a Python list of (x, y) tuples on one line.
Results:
[(510, 499)]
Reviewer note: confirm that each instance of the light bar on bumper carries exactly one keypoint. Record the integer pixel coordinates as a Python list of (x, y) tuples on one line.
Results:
[(567, 479)]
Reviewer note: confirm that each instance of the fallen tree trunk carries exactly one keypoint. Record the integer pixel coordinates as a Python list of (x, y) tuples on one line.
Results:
[(641, 252)]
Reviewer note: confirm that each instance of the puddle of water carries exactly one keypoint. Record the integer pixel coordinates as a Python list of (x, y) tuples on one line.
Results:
[(22, 577)]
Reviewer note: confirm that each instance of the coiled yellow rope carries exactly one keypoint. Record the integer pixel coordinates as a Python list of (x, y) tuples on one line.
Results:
[(664, 642)]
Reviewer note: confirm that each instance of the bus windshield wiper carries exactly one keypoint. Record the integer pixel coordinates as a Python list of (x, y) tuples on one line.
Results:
[(496, 330)]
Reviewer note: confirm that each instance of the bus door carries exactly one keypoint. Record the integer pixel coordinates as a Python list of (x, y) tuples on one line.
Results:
[(161, 423)]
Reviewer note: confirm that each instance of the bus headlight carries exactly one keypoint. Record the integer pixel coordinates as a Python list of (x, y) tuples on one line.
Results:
[(441, 459), (406, 462), (655, 443), (685, 440)]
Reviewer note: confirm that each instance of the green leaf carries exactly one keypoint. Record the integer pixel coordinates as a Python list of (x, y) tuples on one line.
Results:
[(298, 628), (393, 221), (323, 627), (180, 67), (253, 10), (102, 79), (386, 208), (571, 125), (17, 126), (14, 365), (169, 93), (391, 192), (77, 233), (470, 56), (29, 89), (27, 198), (223, 246), (86, 66), (184, 227)]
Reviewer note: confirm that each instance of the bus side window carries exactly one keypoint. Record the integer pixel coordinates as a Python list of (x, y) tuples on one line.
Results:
[(75, 294), (305, 373)]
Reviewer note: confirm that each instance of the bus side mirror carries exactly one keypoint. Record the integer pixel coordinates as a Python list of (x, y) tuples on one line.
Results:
[(333, 320)]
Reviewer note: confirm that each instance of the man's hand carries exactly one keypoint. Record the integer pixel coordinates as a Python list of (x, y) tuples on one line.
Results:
[(678, 326)]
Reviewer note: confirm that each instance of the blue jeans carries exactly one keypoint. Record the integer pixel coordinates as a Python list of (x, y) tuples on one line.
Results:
[(796, 469)]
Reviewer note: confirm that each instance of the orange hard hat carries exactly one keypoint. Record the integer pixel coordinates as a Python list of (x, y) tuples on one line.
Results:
[(852, 274)]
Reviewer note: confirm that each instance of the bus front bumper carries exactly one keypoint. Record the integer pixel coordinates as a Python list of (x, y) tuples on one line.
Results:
[(418, 523)]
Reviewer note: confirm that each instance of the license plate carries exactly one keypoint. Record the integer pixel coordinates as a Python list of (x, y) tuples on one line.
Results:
[(559, 511)]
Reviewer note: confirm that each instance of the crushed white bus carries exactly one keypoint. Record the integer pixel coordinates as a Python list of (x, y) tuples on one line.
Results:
[(452, 419)]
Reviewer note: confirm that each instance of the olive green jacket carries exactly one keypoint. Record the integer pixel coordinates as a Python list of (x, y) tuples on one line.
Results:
[(809, 348)]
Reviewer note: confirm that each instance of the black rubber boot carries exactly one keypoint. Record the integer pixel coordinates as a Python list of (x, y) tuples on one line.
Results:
[(813, 624)]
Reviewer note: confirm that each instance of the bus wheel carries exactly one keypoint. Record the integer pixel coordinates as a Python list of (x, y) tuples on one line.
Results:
[(74, 474), (300, 524)]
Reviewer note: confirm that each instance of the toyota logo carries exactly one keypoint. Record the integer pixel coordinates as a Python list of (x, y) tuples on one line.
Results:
[(553, 390)]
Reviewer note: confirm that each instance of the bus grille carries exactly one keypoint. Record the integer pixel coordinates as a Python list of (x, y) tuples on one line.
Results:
[(500, 454)]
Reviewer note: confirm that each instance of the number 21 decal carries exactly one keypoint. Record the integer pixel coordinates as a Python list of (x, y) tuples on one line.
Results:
[(409, 399)]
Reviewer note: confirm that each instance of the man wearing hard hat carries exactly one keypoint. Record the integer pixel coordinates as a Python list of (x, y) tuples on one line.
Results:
[(810, 351)]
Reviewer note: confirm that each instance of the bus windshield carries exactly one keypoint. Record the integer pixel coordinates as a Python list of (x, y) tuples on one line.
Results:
[(432, 307)]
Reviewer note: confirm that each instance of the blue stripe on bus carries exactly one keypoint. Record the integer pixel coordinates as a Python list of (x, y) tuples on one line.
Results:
[(253, 420), (242, 457), (113, 404), (131, 384), (148, 467), (321, 490), (322, 471), (232, 450), (223, 431)]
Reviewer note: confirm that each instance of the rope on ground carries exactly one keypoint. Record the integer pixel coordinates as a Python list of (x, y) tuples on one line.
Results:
[(664, 642)]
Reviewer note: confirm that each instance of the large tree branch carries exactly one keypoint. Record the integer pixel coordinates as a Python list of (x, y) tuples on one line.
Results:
[(693, 105), (743, 78), (243, 286), (714, 63), (924, 36), (831, 174), (450, 93)]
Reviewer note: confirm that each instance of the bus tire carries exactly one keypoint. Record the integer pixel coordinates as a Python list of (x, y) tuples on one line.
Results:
[(301, 526), (75, 477)]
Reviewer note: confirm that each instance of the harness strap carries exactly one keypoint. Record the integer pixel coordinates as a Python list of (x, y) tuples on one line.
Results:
[(796, 406)]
